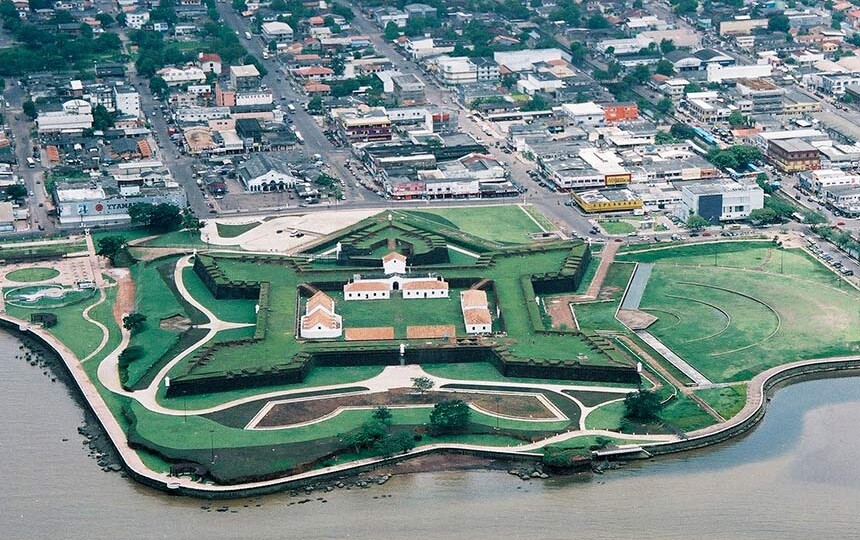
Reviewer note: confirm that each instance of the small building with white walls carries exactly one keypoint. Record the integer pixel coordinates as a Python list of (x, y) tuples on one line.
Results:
[(320, 320), (476, 312), (425, 288), (394, 263), (367, 289)]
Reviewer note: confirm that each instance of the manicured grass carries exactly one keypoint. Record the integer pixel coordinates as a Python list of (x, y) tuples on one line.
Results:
[(38, 273), (538, 216), (186, 239), (617, 227), (129, 234), (728, 401), (154, 299), (81, 336), (607, 416), (17, 296), (732, 324), (42, 249), (590, 441), (401, 312), (228, 230), (508, 224), (239, 310)]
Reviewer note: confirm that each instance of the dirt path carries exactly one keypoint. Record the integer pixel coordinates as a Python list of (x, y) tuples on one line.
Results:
[(124, 302), (558, 309), (607, 257)]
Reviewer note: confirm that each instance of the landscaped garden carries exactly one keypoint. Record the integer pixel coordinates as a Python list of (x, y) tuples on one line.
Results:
[(36, 273)]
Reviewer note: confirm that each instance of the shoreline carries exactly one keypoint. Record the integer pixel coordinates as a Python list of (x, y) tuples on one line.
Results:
[(363, 473)]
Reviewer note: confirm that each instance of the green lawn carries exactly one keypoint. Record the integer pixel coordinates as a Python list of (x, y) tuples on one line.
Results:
[(239, 310), (19, 296), (81, 336), (728, 401), (539, 217), (401, 312), (11, 250), (617, 227), (154, 299), (227, 230), (682, 413), (184, 239), (607, 416), (37, 273), (508, 224), (732, 324)]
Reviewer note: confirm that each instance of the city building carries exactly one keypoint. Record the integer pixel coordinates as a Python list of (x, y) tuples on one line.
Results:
[(209, 63), (245, 78), (719, 200), (126, 100), (353, 125), (793, 155), (607, 200), (279, 32), (620, 112), (766, 97), (75, 115), (408, 89), (719, 73), (584, 115), (261, 174), (175, 76)]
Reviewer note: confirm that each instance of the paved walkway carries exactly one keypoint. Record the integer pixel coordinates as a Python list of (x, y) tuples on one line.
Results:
[(636, 289), (688, 370)]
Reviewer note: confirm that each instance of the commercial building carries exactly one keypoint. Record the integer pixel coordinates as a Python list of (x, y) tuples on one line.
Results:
[(75, 115), (353, 125), (245, 78), (719, 73), (7, 217), (823, 180), (607, 200), (279, 32), (719, 200), (741, 25), (174, 76), (766, 97), (793, 155), (584, 115), (620, 112), (518, 61), (261, 174), (408, 89), (102, 205), (126, 100)]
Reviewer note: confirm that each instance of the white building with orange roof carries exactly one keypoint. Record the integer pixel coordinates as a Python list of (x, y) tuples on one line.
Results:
[(367, 289), (394, 263), (425, 288), (320, 320), (476, 312)]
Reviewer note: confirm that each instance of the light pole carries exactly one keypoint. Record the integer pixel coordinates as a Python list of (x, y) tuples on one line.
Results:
[(212, 445)]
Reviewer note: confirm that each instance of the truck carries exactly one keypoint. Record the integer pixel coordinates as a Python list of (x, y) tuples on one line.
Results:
[(31, 163), (291, 108), (248, 35), (265, 54), (299, 137)]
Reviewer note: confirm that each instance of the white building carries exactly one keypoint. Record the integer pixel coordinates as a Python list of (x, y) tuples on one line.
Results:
[(394, 263), (718, 73), (136, 19), (425, 288), (819, 181), (367, 289), (394, 267), (76, 115), (174, 76), (456, 70), (423, 47), (279, 32), (517, 61), (719, 200), (320, 320), (476, 312), (127, 100), (588, 114)]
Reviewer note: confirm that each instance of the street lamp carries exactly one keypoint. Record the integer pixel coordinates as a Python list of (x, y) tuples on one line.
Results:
[(212, 445)]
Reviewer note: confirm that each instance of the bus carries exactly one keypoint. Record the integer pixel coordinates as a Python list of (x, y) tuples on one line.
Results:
[(299, 137), (248, 35), (31, 163), (291, 108)]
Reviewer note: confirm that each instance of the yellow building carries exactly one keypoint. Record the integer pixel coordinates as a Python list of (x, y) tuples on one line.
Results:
[(608, 200)]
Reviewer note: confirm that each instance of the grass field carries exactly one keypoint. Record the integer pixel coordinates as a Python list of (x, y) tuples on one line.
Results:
[(238, 310), (37, 273), (400, 312), (484, 371), (759, 308), (617, 227), (227, 230), (539, 217), (507, 224), (727, 401), (61, 249)]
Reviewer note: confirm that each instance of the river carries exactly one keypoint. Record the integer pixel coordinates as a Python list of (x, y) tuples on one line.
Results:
[(794, 476)]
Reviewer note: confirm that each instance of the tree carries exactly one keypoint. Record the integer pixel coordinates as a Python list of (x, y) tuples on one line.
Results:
[(105, 19), (685, 6), (382, 414), (110, 246), (315, 105), (736, 118), (692, 87), (682, 131), (272, 46), (663, 137), (422, 384), (337, 65), (365, 436), (640, 74), (16, 191), (665, 67), (392, 31), (30, 109), (158, 86), (396, 443), (239, 5), (762, 216), (667, 46), (813, 218), (764, 183), (157, 218), (597, 22), (133, 322), (449, 416), (643, 405), (696, 222), (102, 118), (778, 23), (191, 222), (665, 106), (836, 19)]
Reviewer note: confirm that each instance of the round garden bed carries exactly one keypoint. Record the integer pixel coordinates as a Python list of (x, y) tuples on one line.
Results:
[(29, 275)]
